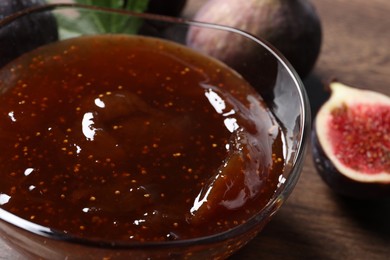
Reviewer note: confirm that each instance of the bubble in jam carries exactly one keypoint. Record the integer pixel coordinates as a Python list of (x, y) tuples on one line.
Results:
[(135, 139)]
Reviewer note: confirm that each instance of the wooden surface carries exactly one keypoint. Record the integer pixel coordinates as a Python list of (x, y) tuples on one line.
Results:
[(315, 223)]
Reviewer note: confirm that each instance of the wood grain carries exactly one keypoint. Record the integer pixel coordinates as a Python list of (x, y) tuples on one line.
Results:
[(315, 223)]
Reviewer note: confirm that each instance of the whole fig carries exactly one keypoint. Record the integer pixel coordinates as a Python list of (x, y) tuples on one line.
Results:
[(292, 26), (25, 33)]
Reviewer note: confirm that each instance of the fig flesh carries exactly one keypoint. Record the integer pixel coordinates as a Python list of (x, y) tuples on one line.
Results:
[(292, 26), (351, 142), (28, 32)]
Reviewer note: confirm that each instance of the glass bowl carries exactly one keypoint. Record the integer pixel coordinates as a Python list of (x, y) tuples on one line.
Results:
[(265, 69)]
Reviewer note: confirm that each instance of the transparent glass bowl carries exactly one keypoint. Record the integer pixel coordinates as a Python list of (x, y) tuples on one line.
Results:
[(264, 68)]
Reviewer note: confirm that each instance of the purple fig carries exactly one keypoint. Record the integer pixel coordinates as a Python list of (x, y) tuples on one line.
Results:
[(28, 32), (292, 26)]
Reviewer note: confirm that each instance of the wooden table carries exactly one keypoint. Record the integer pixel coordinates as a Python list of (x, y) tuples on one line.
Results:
[(315, 223)]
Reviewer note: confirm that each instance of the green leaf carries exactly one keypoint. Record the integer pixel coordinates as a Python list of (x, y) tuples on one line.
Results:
[(92, 22)]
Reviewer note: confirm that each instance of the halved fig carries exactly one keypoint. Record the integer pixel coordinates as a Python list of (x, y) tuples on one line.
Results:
[(351, 142)]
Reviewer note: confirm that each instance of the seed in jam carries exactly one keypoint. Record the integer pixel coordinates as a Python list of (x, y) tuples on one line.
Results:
[(135, 139)]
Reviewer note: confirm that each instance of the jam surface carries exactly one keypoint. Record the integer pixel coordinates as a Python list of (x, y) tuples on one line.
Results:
[(133, 139)]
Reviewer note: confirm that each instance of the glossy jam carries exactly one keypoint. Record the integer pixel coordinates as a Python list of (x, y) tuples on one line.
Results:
[(135, 139)]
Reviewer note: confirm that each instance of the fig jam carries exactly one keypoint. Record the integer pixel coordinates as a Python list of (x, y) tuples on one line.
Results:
[(133, 139)]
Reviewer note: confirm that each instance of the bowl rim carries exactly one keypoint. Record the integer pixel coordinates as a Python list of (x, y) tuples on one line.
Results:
[(281, 194)]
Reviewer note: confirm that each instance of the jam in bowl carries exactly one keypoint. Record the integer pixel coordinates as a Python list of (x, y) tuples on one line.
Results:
[(135, 145)]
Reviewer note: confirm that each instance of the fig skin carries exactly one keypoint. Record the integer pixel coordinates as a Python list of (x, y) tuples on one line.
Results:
[(340, 178), (28, 33), (292, 26)]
